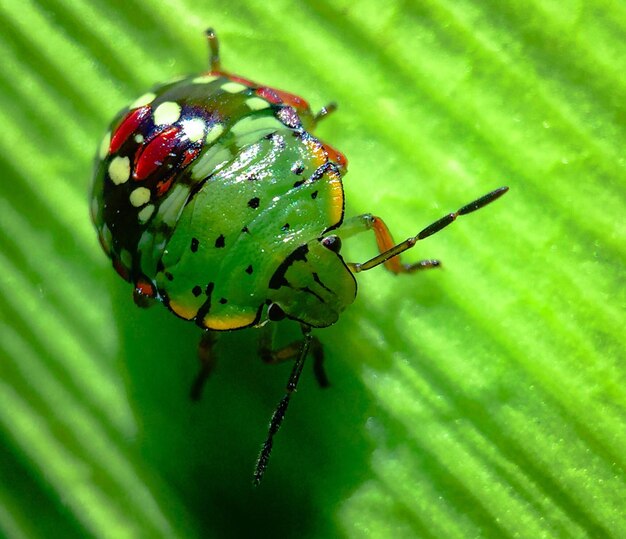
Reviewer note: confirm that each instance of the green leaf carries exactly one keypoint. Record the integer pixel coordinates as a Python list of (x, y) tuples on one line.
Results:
[(483, 400)]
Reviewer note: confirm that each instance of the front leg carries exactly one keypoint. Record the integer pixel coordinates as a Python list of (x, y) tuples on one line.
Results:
[(384, 241)]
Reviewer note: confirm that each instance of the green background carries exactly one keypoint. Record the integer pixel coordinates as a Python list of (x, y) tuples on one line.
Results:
[(483, 400)]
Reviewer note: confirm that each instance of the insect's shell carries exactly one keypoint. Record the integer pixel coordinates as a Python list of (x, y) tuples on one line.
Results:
[(211, 194)]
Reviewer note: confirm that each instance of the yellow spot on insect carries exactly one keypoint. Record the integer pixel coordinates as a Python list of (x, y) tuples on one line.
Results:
[(184, 311), (214, 132), (336, 198), (256, 103), (228, 322), (233, 87), (139, 138), (204, 79), (119, 170), (194, 129), (104, 146), (146, 213), (167, 113), (143, 100), (140, 196)]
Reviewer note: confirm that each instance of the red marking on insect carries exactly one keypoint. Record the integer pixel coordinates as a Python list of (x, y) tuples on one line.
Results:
[(336, 156), (190, 155), (122, 270), (293, 100), (164, 186), (128, 126), (155, 152), (235, 78), (281, 97), (269, 95), (145, 288)]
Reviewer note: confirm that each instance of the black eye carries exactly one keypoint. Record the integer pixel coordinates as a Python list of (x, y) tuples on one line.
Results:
[(333, 243), (275, 313)]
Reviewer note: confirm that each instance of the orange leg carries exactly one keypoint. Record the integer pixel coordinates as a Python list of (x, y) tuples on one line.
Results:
[(390, 251)]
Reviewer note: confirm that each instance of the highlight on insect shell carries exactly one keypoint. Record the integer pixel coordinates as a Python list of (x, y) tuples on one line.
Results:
[(198, 179)]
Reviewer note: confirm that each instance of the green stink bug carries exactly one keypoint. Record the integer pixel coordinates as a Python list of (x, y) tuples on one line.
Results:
[(212, 196)]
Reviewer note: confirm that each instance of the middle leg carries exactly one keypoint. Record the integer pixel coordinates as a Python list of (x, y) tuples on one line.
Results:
[(271, 355)]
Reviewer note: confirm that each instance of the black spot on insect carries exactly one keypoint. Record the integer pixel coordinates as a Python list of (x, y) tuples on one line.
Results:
[(298, 183), (223, 301), (249, 270), (194, 245), (314, 195), (298, 169), (245, 230), (169, 276), (285, 227), (220, 241), (254, 203), (196, 291)]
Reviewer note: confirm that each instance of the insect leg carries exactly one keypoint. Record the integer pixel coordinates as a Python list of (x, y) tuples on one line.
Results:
[(281, 409), (389, 252), (207, 363), (325, 111), (384, 241), (272, 356), (214, 50)]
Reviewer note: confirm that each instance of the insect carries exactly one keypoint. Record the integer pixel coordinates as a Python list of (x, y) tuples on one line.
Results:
[(212, 196)]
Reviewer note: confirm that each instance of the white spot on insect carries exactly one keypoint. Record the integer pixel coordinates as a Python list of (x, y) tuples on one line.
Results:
[(119, 170), (233, 87), (104, 146), (146, 213), (194, 129), (256, 103), (145, 99), (214, 132), (167, 113), (204, 79), (138, 138), (139, 196)]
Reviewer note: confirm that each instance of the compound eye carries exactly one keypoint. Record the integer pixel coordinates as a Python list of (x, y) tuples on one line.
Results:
[(275, 313), (332, 243)]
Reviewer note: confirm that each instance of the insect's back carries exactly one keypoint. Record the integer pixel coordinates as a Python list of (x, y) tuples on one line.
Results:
[(204, 186), (242, 223)]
